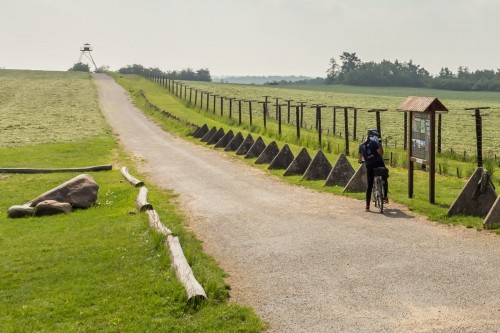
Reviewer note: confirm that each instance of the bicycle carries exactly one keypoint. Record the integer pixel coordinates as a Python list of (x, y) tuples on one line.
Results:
[(378, 194)]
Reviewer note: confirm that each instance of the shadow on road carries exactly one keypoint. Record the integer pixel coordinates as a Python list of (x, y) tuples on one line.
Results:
[(394, 213)]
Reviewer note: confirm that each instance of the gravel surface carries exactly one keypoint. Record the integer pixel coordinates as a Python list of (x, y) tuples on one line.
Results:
[(314, 262)]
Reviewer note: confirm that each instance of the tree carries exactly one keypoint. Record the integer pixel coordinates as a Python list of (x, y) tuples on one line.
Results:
[(445, 73), (132, 69), (102, 69), (350, 62), (333, 71), (463, 72), (203, 74), (79, 67)]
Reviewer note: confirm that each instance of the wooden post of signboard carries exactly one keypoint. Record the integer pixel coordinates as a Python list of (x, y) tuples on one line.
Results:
[(439, 134), (432, 159), (410, 160), (405, 134)]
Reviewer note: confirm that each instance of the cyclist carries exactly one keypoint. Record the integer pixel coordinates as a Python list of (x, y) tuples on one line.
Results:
[(371, 151)]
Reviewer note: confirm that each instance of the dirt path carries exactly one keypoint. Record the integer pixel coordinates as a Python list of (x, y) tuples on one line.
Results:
[(314, 262)]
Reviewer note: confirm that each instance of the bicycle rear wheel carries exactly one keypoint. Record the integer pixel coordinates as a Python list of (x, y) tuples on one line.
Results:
[(378, 197)]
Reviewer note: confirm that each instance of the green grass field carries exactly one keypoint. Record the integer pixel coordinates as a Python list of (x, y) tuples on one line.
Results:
[(447, 187), (101, 269)]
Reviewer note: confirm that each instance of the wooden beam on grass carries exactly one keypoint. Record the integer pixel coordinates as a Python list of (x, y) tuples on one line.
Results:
[(52, 170), (131, 179)]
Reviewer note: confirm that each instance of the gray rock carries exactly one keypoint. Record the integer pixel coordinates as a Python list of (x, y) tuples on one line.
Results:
[(20, 211), (51, 207)]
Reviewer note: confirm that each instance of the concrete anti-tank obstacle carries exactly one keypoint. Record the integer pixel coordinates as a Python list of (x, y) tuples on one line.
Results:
[(283, 159), (256, 149), (268, 154), (319, 168), (235, 142), (245, 145), (477, 197), (209, 134), (299, 164), (492, 220), (341, 173), (201, 131), (225, 140), (196, 129), (358, 182), (216, 137)]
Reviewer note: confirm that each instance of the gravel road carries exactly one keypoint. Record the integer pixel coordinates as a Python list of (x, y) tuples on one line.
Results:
[(314, 262)]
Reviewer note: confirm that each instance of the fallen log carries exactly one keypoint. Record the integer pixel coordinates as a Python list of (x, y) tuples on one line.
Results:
[(155, 223), (142, 200), (194, 291), (43, 170), (132, 180)]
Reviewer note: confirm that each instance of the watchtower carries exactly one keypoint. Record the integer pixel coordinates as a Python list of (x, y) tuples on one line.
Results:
[(85, 52)]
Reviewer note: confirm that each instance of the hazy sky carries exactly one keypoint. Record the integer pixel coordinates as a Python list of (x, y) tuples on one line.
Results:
[(249, 37)]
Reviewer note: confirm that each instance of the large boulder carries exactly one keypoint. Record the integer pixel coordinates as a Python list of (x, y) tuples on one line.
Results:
[(79, 192)]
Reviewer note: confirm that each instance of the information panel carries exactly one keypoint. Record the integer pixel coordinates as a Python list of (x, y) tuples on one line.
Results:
[(421, 132)]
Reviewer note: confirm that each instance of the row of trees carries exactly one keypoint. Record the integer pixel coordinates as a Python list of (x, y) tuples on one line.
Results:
[(352, 71), (188, 74)]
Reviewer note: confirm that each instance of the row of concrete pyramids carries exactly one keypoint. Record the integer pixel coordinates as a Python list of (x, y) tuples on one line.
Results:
[(317, 168)]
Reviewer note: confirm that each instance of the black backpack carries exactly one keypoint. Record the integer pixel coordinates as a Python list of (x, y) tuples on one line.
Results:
[(368, 151)]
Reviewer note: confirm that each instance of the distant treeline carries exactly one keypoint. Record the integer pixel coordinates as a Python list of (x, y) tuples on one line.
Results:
[(188, 74), (353, 71)]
